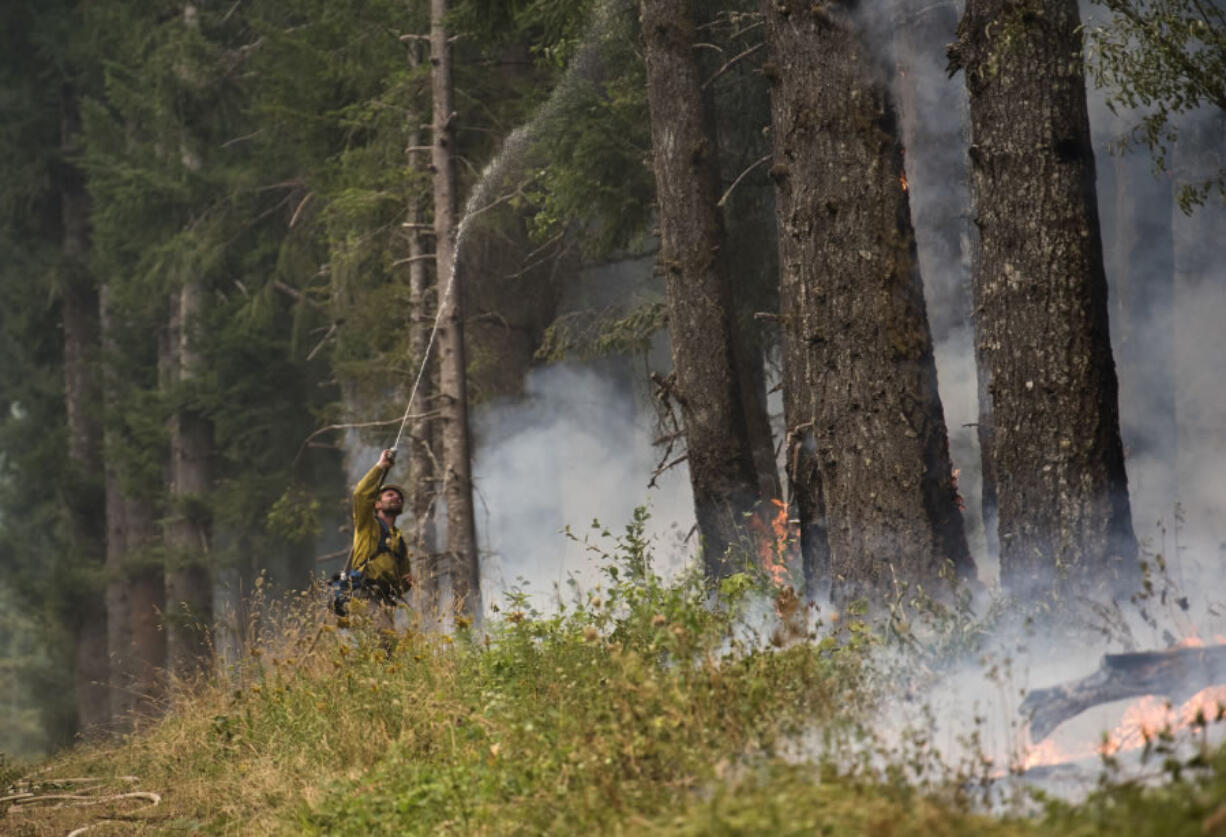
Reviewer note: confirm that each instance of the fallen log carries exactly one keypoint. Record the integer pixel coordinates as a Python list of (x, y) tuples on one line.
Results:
[(1176, 674)]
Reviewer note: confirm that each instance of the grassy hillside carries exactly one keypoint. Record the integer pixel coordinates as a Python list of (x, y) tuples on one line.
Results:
[(647, 708)]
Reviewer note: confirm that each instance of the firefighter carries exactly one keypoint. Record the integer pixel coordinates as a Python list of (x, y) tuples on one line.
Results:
[(379, 550)]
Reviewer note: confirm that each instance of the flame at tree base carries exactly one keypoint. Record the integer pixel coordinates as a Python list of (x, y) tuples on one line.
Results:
[(774, 540)]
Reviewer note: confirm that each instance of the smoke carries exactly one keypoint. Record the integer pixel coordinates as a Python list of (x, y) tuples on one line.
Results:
[(577, 448), (1167, 286)]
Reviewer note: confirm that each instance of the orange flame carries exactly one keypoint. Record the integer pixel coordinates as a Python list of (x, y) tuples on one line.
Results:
[(1048, 752), (1194, 641), (902, 179), (774, 540), (1142, 721), (1150, 716)]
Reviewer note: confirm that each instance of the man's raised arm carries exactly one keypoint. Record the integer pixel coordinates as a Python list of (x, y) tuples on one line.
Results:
[(367, 490)]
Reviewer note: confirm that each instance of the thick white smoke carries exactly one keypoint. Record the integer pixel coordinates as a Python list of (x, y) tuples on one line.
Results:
[(576, 448)]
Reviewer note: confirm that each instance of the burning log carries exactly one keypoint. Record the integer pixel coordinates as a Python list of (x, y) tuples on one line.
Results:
[(1177, 674)]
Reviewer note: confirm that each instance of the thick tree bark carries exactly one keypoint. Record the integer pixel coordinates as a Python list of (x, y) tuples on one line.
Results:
[(83, 406), (464, 567), (1041, 300), (989, 505), (857, 325), (188, 585), (684, 157), (136, 644)]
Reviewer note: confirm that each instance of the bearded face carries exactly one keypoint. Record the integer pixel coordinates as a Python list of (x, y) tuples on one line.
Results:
[(390, 502)]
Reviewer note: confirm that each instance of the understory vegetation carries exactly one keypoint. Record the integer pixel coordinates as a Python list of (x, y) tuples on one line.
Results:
[(641, 706)]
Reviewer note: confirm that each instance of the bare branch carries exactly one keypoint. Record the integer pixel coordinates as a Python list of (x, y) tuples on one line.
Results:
[(237, 140), (332, 556), (298, 211), (741, 177), (331, 330), (668, 437), (490, 316), (661, 469), (424, 257), (517, 192), (731, 62), (233, 9), (358, 426), (292, 292), (531, 265)]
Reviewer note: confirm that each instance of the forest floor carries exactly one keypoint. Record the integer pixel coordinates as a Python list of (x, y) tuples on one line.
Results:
[(643, 708)]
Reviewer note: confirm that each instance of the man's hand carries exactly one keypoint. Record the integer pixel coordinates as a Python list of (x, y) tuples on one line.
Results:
[(387, 459), (407, 580)]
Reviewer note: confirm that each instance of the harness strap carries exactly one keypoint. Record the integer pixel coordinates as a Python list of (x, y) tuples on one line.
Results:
[(385, 534)]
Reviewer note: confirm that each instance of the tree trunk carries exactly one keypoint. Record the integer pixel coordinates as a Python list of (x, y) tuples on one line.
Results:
[(421, 430), (83, 405), (146, 602), (464, 569), (685, 160), (1041, 296), (857, 326), (136, 645), (804, 477), (188, 586)]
